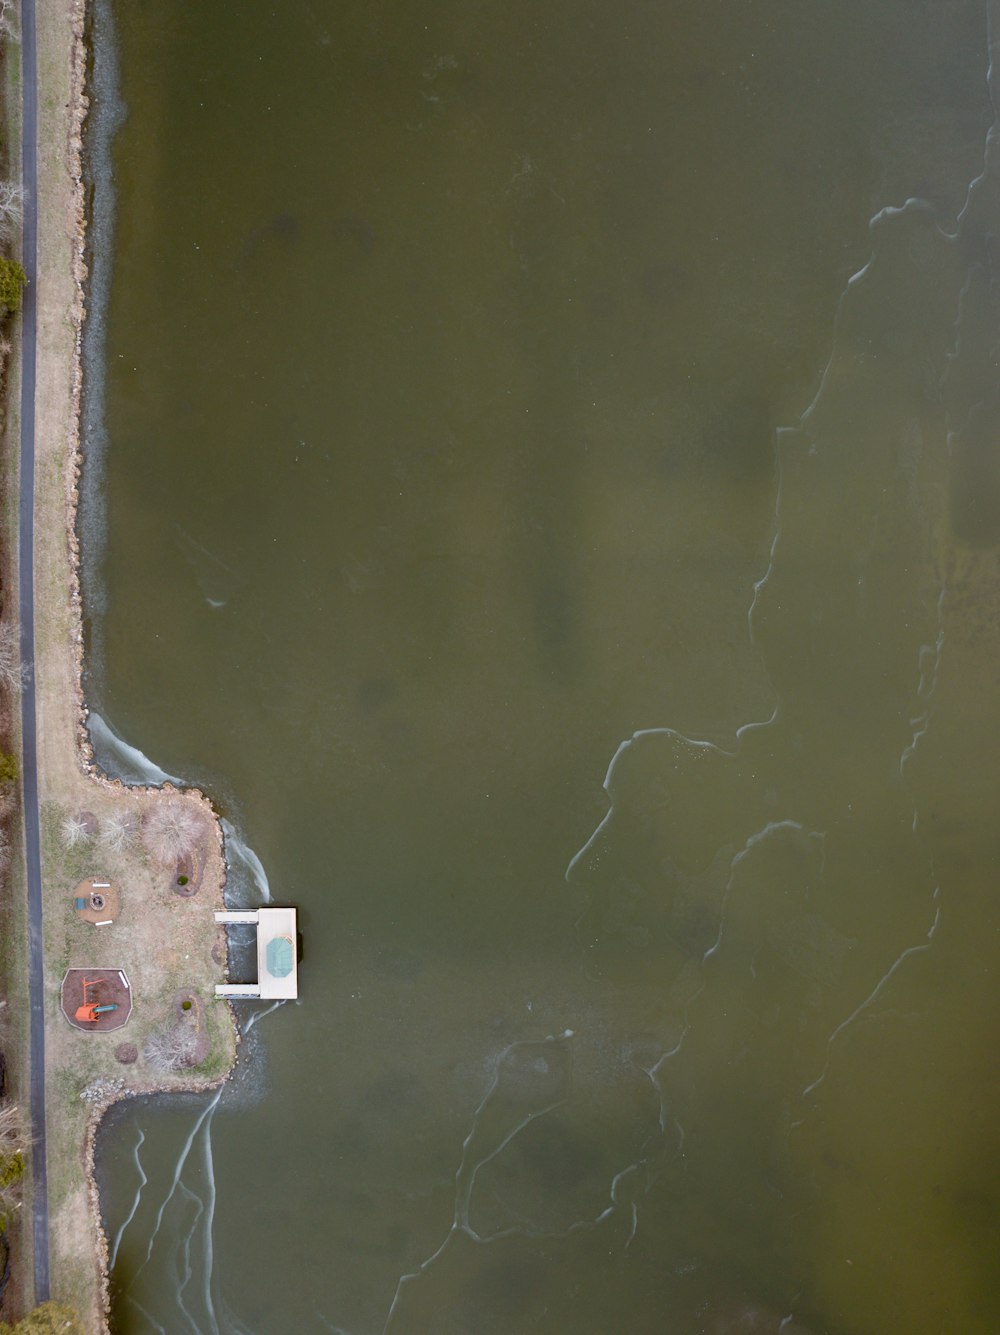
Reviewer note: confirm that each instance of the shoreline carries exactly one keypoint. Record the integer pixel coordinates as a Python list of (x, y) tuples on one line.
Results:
[(67, 764)]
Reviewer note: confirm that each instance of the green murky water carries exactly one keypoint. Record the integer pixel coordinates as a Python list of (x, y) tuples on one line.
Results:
[(499, 393)]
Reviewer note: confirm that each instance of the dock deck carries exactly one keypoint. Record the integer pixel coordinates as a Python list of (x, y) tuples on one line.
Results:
[(277, 954)]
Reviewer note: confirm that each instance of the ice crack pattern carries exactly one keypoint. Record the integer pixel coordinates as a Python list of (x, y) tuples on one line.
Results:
[(766, 922)]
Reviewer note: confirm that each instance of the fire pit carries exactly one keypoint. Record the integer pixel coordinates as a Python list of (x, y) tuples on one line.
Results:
[(97, 901)]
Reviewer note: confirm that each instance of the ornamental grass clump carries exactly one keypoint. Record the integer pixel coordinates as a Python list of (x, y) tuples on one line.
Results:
[(171, 1049), (172, 829), (74, 830), (117, 831)]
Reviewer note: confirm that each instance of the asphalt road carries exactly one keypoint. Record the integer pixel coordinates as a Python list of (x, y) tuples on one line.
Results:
[(26, 602)]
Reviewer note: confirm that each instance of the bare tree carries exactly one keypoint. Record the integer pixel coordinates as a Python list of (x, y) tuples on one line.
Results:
[(171, 1049), (74, 830), (117, 831), (11, 194), (172, 828)]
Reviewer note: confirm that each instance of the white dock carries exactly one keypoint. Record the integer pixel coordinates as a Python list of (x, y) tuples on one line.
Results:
[(277, 955)]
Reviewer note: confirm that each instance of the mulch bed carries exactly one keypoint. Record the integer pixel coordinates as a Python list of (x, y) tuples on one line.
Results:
[(190, 869), (111, 991), (190, 1012)]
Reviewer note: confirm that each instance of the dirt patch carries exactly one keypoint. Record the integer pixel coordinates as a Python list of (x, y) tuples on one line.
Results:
[(96, 900), (126, 1053), (202, 1049)]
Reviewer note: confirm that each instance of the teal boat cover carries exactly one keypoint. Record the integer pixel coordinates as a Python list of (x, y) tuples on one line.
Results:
[(279, 957)]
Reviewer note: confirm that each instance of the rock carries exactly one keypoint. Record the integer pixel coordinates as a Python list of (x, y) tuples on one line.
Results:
[(104, 1089)]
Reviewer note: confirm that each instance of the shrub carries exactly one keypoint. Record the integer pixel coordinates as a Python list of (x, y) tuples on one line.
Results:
[(8, 768), (49, 1319), (12, 1144), (11, 1169), (12, 281)]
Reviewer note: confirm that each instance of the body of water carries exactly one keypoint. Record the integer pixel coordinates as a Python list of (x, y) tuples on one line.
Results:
[(543, 484)]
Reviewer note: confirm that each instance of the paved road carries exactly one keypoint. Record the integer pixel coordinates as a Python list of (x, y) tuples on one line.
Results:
[(26, 601)]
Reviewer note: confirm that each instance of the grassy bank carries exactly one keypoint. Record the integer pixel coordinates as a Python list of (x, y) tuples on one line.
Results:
[(164, 940), (18, 1295)]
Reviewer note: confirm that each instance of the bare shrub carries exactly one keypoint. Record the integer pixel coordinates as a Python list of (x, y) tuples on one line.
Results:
[(117, 831), (171, 1049), (4, 847), (11, 195), (172, 829), (74, 830), (12, 670), (8, 20), (11, 198), (13, 1134)]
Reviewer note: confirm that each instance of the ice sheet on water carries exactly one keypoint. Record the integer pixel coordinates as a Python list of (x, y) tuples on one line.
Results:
[(122, 761), (246, 879)]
